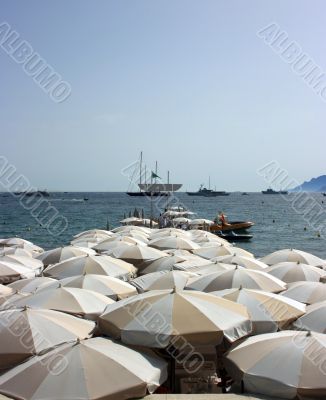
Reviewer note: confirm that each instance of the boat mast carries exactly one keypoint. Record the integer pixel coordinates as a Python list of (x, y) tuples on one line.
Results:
[(140, 166), (155, 170), (209, 183)]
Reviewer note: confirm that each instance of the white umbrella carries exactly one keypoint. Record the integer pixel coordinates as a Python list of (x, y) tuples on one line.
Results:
[(40, 330), (33, 284), (111, 243), (286, 364), (75, 301), (93, 232), (173, 242), (91, 369), (314, 318), (6, 290), (16, 251), (10, 272), (306, 292), (161, 264), (185, 316), (161, 280), (294, 256), (20, 243), (269, 312), (290, 271), (236, 278), (136, 254), (113, 288), (216, 250), (243, 261), (101, 265), (59, 254)]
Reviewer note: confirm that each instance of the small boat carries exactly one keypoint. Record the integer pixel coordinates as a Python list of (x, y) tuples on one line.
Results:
[(239, 226), (324, 194), (235, 237), (271, 191), (244, 194), (85, 198), (203, 191), (38, 193)]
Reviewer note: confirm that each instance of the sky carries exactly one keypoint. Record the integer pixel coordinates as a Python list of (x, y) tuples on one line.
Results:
[(188, 82)]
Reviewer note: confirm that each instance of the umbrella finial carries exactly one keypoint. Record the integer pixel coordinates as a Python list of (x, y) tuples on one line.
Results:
[(240, 287), (308, 333), (174, 290)]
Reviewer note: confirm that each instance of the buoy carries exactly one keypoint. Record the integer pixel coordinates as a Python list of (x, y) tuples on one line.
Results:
[(318, 234), (305, 228), (273, 221)]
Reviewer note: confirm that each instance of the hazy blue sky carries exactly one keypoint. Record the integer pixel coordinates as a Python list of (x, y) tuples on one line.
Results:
[(186, 81)]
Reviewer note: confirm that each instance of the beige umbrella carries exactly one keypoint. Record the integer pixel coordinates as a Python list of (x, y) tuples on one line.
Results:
[(161, 264), (286, 364), (128, 228), (206, 238), (10, 272), (16, 251), (139, 235), (93, 232), (314, 318), (20, 243), (294, 256), (111, 243), (179, 252), (136, 254), (236, 278), (161, 317), (243, 261), (269, 312), (167, 232), (59, 254), (100, 265), (113, 288), (290, 271), (209, 268), (7, 302), (33, 284), (161, 280), (75, 301), (24, 261), (216, 250), (92, 369), (173, 242), (192, 263), (306, 292), (6, 290), (39, 331)]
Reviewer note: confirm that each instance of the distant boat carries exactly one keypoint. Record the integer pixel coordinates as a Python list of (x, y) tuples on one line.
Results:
[(271, 191), (203, 191), (244, 194), (153, 188), (38, 193)]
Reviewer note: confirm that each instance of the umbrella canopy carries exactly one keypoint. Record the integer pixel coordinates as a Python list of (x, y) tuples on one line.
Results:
[(6, 290), (281, 365), (161, 264), (40, 330), (59, 254), (79, 302), (33, 284), (198, 318), (161, 280), (173, 242), (113, 288), (216, 250), (243, 261), (93, 369), (129, 228), (111, 243), (269, 312), (16, 251), (93, 232), (306, 292), (290, 271), (27, 262), (167, 232), (181, 220), (10, 272), (136, 254), (20, 243), (294, 256), (100, 265), (314, 318), (205, 238), (236, 278)]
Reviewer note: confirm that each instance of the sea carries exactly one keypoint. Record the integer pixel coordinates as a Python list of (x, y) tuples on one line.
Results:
[(288, 221)]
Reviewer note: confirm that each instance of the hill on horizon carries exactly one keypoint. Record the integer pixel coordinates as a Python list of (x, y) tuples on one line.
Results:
[(314, 185)]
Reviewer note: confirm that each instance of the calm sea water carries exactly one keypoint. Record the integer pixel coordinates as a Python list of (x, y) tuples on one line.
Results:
[(277, 225)]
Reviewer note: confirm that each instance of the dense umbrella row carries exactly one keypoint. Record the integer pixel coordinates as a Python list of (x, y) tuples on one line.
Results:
[(82, 304)]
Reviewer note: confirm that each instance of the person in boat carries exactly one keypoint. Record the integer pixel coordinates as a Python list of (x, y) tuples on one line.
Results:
[(222, 219)]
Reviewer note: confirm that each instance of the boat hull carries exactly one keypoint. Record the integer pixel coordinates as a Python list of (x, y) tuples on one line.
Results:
[(238, 226), (148, 194)]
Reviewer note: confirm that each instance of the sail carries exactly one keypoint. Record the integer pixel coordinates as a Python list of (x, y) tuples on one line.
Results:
[(160, 187)]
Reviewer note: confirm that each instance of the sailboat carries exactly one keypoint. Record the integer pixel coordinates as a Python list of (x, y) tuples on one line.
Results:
[(153, 188)]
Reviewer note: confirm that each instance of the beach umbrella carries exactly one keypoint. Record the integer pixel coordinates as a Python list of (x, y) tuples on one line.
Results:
[(173, 242), (192, 264), (287, 364), (131, 221), (243, 261), (161, 280), (195, 317), (113, 288), (205, 238), (216, 250), (111, 243), (20, 243), (33, 284), (292, 255), (314, 318), (128, 228), (6, 290), (100, 265), (161, 264), (136, 254), (80, 302), (59, 254), (306, 292), (269, 312), (26, 332), (10, 272), (179, 252), (167, 232), (93, 232), (7, 302), (16, 251), (139, 235), (181, 220), (92, 369), (290, 271), (27, 262), (209, 268), (236, 278)]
